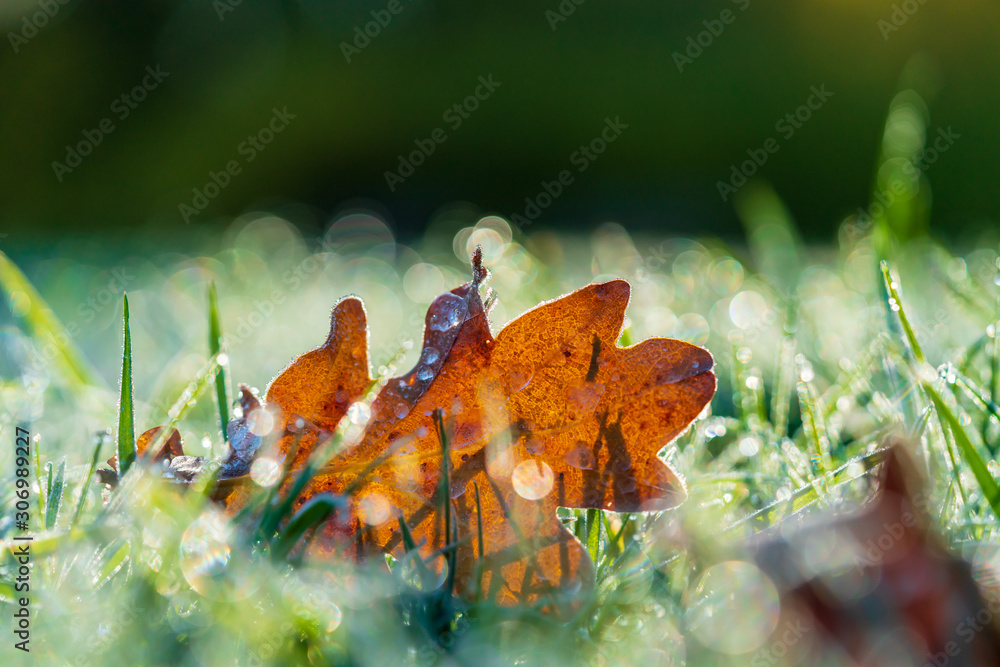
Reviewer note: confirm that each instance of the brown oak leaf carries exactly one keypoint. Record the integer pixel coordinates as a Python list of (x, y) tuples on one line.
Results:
[(549, 413), (170, 449)]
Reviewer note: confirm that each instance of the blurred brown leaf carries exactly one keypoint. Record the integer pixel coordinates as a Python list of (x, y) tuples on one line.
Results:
[(880, 586)]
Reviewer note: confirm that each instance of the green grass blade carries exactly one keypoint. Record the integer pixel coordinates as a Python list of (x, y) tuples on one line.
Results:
[(86, 484), (896, 304), (42, 490), (814, 427), (7, 593), (45, 327), (177, 411), (126, 410), (594, 534), (479, 543), (312, 514), (987, 483), (215, 347), (55, 495), (111, 561), (404, 530), (807, 495), (46, 492), (445, 493)]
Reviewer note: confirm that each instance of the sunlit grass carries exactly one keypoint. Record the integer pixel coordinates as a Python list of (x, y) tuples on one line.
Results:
[(822, 354)]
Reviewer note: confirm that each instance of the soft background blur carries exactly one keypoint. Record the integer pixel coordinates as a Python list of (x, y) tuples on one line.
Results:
[(228, 69), (816, 365)]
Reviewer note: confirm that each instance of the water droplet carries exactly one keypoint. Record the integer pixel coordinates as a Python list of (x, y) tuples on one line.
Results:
[(457, 488), (400, 410), (584, 398), (430, 355), (423, 576), (532, 479), (447, 312), (517, 378), (333, 617), (425, 373), (622, 464), (204, 550), (948, 373), (534, 445), (581, 457)]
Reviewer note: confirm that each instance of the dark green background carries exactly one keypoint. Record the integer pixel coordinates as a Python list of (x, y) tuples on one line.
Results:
[(686, 129)]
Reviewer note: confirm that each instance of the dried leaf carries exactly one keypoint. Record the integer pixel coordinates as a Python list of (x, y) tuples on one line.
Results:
[(885, 574), (549, 413), (171, 446)]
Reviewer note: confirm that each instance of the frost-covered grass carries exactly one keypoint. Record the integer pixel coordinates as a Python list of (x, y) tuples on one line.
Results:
[(815, 369), (821, 352)]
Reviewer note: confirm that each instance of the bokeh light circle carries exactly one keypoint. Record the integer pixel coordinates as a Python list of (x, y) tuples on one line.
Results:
[(733, 608), (532, 479)]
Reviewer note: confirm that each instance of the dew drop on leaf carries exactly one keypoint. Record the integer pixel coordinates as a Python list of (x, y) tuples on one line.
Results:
[(516, 378), (446, 313), (584, 398), (581, 457)]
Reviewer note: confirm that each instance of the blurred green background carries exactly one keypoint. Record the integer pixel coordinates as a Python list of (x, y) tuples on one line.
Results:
[(230, 63)]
